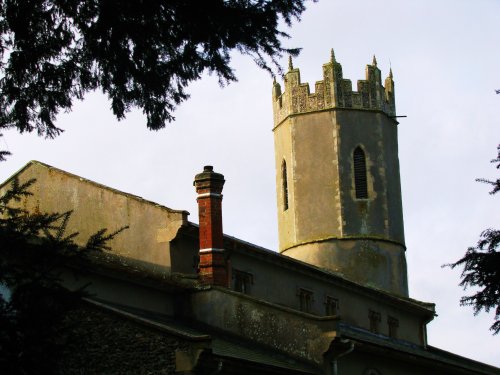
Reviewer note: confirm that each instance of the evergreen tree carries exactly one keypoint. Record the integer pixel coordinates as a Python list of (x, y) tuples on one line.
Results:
[(481, 267), (139, 53), (34, 247)]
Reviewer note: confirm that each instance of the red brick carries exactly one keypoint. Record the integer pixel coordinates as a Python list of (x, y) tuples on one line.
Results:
[(213, 266)]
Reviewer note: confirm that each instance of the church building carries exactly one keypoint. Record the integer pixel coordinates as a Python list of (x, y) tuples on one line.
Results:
[(176, 297)]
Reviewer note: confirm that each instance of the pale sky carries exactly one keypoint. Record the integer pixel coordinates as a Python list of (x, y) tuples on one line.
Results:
[(445, 56)]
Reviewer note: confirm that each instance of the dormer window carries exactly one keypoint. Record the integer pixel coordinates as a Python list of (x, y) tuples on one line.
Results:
[(360, 179)]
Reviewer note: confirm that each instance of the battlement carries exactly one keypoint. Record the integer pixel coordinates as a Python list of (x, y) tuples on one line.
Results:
[(333, 92)]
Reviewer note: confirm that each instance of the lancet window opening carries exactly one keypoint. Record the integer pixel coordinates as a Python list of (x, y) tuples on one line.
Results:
[(284, 185), (360, 178)]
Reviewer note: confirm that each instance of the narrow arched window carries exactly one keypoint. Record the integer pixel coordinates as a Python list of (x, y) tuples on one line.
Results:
[(360, 183), (284, 185)]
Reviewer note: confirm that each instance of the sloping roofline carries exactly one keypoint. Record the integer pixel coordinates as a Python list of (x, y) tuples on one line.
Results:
[(101, 186), (235, 244)]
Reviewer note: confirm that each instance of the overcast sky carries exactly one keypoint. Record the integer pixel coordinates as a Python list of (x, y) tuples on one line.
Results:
[(445, 56)]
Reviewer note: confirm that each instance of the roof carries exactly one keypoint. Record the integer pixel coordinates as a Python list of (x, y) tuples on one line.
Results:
[(371, 342), (235, 244)]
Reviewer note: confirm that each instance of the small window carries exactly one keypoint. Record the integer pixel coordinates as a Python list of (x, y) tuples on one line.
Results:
[(360, 182), (305, 300), (375, 319), (331, 306), (393, 324), (284, 185), (242, 281)]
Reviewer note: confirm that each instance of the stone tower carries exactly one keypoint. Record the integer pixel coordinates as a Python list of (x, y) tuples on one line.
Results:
[(337, 176)]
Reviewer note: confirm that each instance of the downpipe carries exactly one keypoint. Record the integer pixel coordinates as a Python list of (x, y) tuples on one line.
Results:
[(335, 359)]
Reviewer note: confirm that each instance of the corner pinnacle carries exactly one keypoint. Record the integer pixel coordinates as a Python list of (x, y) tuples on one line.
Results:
[(332, 56), (374, 63), (390, 73), (290, 63)]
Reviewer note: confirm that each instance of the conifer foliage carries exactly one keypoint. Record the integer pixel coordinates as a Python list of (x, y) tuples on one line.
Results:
[(139, 53), (481, 266), (33, 302)]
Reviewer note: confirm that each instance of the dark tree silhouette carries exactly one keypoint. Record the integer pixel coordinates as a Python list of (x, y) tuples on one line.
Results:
[(139, 53), (481, 267), (33, 304)]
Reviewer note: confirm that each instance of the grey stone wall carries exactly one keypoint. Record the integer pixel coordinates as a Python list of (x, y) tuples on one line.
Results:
[(102, 342)]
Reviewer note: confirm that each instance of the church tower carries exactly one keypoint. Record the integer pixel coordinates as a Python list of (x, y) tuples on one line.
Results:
[(337, 176)]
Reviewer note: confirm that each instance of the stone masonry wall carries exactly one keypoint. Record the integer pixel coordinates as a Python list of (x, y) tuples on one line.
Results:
[(105, 343)]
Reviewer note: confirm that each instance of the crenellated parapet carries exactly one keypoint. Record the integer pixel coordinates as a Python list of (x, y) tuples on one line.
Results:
[(333, 92)]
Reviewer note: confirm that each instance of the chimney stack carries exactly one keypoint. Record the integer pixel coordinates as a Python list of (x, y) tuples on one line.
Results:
[(213, 265)]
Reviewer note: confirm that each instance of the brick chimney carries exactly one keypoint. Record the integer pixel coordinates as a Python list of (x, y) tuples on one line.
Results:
[(213, 267)]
